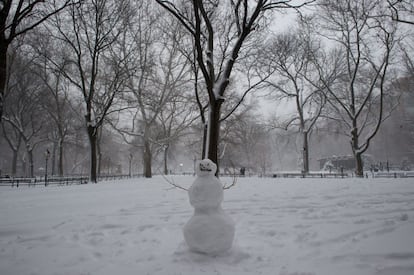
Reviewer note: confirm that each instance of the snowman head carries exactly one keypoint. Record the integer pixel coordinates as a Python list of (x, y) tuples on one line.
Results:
[(206, 167)]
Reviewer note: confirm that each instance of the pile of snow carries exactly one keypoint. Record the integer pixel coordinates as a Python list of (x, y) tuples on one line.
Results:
[(284, 226)]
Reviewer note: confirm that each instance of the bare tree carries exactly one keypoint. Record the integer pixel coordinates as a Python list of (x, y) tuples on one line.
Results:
[(175, 119), (18, 17), (14, 140), (245, 142), (55, 97), (219, 30), (402, 11), (23, 111), (157, 84), (292, 81), (88, 32), (357, 86), (57, 104)]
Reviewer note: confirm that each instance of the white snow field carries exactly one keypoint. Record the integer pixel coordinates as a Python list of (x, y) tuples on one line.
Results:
[(283, 226)]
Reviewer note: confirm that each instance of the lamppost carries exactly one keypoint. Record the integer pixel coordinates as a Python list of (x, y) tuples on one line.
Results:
[(47, 155)]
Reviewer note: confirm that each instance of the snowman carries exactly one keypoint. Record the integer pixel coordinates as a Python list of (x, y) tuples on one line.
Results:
[(210, 230)]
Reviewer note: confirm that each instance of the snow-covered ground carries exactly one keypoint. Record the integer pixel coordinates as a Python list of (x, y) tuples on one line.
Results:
[(283, 226)]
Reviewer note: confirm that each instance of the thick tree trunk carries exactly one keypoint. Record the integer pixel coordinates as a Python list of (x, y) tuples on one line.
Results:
[(3, 74), (99, 159), (60, 164), (53, 161), (24, 166), (14, 162), (130, 165), (147, 160), (359, 169), (305, 152), (166, 160), (93, 140), (359, 166), (213, 133), (205, 129), (31, 162)]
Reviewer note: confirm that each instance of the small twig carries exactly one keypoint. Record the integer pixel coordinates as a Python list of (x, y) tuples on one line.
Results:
[(233, 183), (171, 182)]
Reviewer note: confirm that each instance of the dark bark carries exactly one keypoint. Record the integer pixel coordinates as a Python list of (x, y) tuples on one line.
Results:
[(3, 73), (14, 147), (14, 162), (24, 167), (130, 165), (359, 168), (60, 158), (93, 140), (205, 127), (31, 162), (99, 159), (305, 152), (53, 160), (166, 160), (147, 160), (214, 132)]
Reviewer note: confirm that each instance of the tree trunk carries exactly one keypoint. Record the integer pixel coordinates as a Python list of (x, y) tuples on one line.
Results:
[(24, 166), (60, 164), (53, 160), (31, 162), (3, 73), (99, 159), (359, 169), (130, 165), (205, 130), (359, 166), (166, 159), (147, 159), (93, 150), (213, 132), (14, 162), (305, 152)]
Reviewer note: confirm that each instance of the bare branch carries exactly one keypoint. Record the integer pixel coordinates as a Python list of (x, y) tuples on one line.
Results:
[(171, 182)]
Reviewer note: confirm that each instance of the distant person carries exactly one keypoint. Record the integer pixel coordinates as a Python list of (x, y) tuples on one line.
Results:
[(242, 171)]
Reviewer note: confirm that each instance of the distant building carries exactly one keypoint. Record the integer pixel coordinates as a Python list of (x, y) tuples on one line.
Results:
[(346, 162)]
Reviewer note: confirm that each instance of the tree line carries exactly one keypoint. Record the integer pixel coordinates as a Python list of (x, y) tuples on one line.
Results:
[(156, 74)]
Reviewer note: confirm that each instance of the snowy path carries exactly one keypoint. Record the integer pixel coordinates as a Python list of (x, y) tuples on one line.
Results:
[(283, 226)]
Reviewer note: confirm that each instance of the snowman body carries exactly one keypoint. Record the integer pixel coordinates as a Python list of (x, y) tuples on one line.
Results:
[(210, 230)]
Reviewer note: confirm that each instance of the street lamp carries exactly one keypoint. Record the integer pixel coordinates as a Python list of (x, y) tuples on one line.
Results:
[(47, 155)]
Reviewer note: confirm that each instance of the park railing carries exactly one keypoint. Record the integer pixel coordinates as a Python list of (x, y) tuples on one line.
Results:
[(55, 180), (396, 174), (19, 181), (118, 177), (308, 175)]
